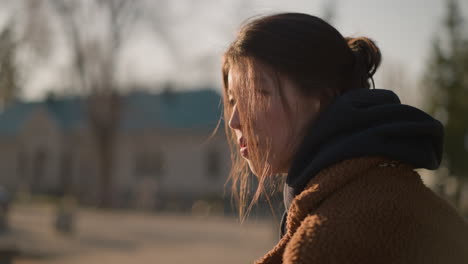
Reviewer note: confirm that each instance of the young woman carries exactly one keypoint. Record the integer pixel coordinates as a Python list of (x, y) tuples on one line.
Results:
[(298, 101)]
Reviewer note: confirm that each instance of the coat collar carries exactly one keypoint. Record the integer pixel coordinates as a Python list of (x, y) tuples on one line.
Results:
[(324, 184)]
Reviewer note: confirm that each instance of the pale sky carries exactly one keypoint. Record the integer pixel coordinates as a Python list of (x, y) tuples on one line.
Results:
[(403, 29)]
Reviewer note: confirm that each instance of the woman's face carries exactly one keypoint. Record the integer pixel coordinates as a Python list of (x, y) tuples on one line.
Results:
[(277, 131)]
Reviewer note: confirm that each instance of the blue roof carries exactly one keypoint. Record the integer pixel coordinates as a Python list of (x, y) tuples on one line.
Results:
[(69, 113), (14, 116), (141, 110), (194, 109)]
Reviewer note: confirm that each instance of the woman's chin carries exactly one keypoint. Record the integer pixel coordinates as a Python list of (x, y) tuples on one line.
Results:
[(251, 167), (257, 171)]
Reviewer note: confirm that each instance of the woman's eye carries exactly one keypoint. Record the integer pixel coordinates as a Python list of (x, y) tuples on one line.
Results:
[(232, 102)]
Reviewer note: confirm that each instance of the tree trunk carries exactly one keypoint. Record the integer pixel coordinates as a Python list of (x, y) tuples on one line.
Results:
[(104, 114), (106, 156)]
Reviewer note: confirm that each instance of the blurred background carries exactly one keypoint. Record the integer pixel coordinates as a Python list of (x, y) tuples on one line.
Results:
[(107, 108)]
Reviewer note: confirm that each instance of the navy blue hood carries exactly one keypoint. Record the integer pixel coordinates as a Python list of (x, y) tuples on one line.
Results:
[(361, 123)]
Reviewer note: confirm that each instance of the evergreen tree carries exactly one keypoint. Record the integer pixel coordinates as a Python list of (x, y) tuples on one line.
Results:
[(446, 83)]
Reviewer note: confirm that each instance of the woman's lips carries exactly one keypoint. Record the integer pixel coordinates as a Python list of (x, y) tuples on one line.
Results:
[(244, 152), (243, 146)]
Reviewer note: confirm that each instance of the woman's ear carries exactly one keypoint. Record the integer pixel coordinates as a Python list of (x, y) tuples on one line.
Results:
[(316, 105)]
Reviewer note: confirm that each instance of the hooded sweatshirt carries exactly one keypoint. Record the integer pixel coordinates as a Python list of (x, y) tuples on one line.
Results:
[(363, 123)]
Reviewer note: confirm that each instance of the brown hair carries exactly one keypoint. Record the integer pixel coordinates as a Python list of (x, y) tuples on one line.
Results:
[(306, 50)]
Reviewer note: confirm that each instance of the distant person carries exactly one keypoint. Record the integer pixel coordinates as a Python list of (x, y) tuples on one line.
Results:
[(299, 101)]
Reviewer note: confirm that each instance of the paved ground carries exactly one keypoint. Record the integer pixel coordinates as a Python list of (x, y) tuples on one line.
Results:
[(130, 237)]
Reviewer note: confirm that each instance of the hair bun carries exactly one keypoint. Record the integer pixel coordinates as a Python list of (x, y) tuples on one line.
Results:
[(367, 56)]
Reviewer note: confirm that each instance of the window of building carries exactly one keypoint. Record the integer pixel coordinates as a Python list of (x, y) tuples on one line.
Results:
[(39, 170), (21, 164), (66, 177), (149, 163)]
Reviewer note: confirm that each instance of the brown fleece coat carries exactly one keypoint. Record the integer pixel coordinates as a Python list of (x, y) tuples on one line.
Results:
[(370, 210)]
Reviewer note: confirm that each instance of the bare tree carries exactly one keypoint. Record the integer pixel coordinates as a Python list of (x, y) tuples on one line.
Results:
[(19, 35), (8, 70), (95, 55)]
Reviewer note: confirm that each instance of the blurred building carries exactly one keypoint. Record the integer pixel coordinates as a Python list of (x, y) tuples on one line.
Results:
[(162, 153)]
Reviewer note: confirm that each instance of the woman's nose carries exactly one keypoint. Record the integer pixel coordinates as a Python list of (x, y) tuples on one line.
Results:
[(234, 121)]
